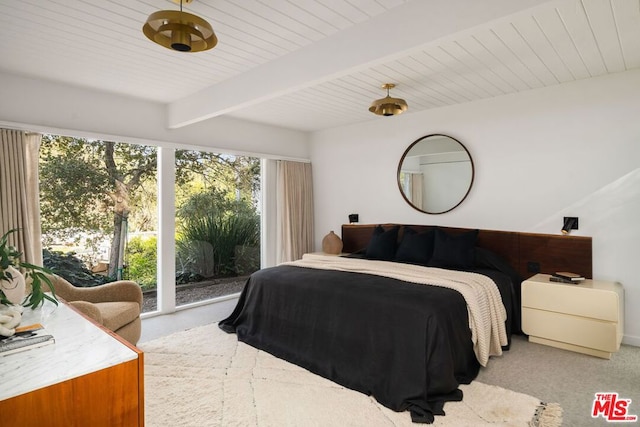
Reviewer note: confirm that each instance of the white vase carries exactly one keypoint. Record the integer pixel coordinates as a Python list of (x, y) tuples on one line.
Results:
[(14, 288)]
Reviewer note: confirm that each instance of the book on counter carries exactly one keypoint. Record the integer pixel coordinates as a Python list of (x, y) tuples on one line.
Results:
[(25, 338), (566, 277)]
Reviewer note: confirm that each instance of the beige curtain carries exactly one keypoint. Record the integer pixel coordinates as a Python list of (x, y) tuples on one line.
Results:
[(417, 189), (19, 192), (294, 210)]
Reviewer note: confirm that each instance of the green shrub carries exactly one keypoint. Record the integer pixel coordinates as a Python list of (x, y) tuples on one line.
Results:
[(141, 256), (247, 259), (212, 241)]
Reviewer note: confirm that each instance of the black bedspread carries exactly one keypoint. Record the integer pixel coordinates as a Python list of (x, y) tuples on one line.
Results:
[(407, 345)]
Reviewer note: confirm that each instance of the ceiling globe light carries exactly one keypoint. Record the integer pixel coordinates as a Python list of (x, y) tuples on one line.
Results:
[(388, 106), (178, 30)]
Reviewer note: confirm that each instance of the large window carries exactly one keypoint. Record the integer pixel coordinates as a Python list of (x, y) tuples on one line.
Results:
[(217, 224), (99, 212), (98, 209)]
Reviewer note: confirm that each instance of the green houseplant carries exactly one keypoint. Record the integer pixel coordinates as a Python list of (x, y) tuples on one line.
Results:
[(10, 266)]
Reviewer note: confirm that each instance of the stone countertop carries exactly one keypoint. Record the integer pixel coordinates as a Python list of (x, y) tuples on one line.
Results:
[(80, 348)]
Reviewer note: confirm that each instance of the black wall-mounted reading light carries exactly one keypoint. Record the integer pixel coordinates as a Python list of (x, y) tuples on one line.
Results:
[(570, 223), (353, 218)]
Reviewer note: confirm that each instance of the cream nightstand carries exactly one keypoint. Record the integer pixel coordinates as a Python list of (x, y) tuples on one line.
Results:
[(586, 317)]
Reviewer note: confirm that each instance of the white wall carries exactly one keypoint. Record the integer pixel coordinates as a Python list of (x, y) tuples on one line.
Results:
[(49, 107), (539, 155)]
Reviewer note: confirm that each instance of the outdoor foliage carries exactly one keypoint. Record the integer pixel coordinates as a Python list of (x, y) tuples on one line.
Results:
[(237, 175), (80, 179), (142, 261), (73, 186), (92, 185), (217, 229), (72, 269), (217, 220), (95, 190)]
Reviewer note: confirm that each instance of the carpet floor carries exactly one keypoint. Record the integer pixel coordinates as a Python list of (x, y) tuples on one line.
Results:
[(205, 377)]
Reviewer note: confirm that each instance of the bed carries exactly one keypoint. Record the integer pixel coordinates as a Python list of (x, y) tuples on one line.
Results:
[(371, 322)]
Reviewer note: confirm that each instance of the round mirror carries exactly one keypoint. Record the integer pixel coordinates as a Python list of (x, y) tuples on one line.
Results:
[(435, 174)]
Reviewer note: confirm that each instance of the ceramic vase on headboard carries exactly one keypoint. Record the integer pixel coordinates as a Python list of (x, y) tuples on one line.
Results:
[(331, 244)]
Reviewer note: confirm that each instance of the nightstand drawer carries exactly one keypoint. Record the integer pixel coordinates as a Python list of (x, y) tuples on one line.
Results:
[(578, 300), (581, 331)]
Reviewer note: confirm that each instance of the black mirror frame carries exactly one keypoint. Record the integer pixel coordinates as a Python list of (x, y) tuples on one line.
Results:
[(473, 173)]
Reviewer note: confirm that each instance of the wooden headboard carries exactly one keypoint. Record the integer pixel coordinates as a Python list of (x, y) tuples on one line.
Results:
[(528, 253)]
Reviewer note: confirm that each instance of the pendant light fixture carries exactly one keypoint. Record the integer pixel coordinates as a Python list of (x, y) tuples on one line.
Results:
[(178, 30), (388, 106)]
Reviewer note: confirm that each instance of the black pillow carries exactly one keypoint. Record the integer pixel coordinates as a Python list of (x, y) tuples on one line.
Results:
[(454, 251), (383, 243), (484, 258), (415, 248)]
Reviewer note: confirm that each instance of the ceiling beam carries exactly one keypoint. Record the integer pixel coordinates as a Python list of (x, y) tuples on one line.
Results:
[(385, 37)]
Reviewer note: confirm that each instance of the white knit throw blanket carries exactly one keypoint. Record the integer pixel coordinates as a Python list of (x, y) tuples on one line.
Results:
[(487, 314)]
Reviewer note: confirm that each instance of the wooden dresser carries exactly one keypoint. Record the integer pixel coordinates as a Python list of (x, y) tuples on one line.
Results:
[(586, 317), (88, 377)]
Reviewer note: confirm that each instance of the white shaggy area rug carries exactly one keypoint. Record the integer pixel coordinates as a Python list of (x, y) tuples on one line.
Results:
[(205, 377)]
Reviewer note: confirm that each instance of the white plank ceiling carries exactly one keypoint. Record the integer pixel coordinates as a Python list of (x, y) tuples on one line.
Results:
[(317, 64)]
